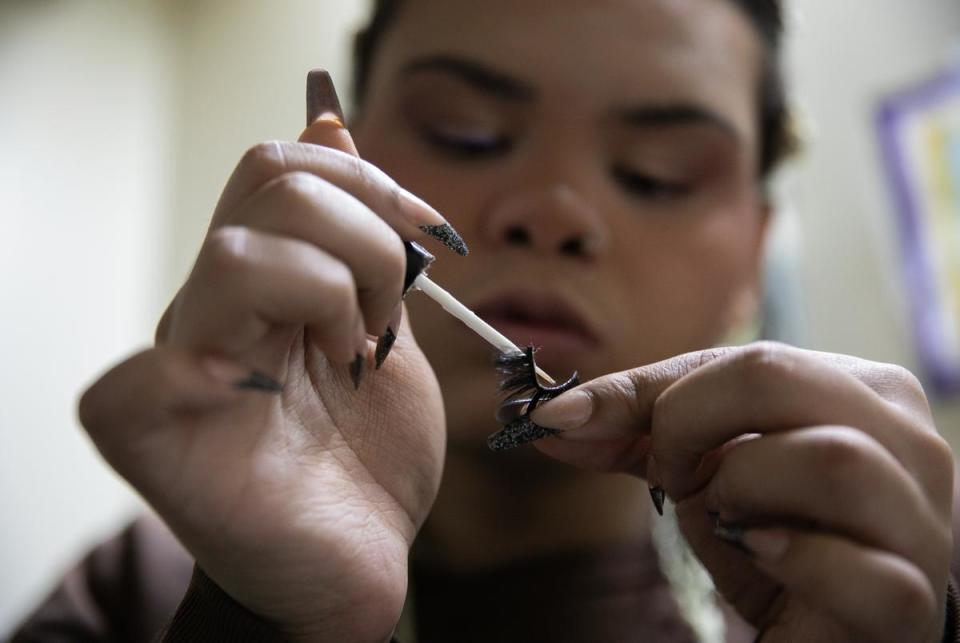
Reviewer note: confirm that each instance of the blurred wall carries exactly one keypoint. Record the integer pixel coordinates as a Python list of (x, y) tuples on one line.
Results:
[(843, 56), (120, 120), (243, 79), (85, 127)]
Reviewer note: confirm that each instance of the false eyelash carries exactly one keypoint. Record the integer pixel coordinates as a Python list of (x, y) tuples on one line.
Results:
[(523, 394)]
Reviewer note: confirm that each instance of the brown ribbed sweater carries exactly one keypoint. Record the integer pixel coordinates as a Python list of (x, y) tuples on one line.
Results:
[(142, 586)]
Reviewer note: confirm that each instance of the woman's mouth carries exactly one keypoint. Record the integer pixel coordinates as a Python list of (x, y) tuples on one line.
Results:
[(541, 320)]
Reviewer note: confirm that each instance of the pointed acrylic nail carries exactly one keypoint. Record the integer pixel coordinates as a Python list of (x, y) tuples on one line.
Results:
[(258, 381), (658, 495), (384, 344), (449, 237), (356, 370), (516, 434), (321, 96)]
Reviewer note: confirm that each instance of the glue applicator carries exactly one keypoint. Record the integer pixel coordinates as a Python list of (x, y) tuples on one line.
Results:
[(325, 126)]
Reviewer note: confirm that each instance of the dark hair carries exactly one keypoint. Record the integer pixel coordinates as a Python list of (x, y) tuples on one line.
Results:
[(765, 15)]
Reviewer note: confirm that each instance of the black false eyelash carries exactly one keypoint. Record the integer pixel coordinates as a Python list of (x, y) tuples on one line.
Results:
[(523, 393)]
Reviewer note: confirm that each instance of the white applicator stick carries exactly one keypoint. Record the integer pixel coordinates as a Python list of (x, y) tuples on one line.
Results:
[(468, 317)]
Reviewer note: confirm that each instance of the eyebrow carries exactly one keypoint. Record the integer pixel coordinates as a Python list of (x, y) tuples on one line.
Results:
[(679, 114), (478, 75)]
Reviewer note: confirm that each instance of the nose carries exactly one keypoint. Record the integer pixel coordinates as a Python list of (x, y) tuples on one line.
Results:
[(551, 219)]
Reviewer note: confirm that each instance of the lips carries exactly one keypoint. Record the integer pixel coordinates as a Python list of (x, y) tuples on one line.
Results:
[(544, 320)]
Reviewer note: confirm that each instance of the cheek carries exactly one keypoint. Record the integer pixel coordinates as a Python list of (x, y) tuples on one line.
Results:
[(685, 282)]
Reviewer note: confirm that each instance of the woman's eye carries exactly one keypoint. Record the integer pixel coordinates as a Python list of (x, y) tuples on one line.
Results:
[(649, 187), (466, 143)]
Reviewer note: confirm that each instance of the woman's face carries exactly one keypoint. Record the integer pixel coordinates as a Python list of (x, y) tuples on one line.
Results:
[(598, 156)]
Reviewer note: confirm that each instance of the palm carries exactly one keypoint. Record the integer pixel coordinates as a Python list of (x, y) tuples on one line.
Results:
[(342, 477)]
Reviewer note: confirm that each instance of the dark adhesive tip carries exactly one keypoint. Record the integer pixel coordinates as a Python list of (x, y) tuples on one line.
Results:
[(258, 381), (658, 495), (418, 260), (321, 96), (516, 434), (384, 344), (356, 370), (449, 237)]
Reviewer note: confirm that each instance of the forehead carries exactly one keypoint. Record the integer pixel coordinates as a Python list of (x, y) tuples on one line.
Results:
[(596, 52)]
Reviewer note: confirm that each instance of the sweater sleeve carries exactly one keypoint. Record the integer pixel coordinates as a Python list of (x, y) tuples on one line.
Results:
[(207, 613), (951, 630), (126, 589)]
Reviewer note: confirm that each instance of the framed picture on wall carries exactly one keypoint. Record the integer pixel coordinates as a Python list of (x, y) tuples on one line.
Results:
[(919, 132)]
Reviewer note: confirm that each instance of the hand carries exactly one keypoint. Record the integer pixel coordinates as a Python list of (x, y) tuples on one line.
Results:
[(830, 482), (300, 504)]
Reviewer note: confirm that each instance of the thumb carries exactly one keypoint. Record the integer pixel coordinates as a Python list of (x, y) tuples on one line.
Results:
[(619, 405), (605, 424), (325, 123)]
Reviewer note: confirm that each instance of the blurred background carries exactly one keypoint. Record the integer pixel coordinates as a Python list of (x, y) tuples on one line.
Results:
[(120, 120)]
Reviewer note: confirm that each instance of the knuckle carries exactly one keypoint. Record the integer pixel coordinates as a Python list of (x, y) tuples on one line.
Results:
[(367, 177), (264, 158), (362, 174), (935, 451), (761, 362), (228, 248), (938, 466), (299, 187), (340, 287), (663, 411), (704, 357), (901, 378), (899, 385), (844, 454), (636, 393)]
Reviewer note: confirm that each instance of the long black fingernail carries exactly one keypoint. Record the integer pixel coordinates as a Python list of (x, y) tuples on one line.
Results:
[(258, 381), (732, 534), (658, 495), (384, 344), (356, 370), (449, 237), (418, 260), (517, 433)]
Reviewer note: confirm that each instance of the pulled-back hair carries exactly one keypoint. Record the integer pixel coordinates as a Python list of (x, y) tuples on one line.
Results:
[(765, 15)]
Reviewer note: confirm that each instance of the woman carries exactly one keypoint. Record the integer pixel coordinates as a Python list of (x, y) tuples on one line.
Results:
[(605, 162)]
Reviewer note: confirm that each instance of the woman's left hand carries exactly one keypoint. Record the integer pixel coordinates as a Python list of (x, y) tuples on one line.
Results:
[(831, 487)]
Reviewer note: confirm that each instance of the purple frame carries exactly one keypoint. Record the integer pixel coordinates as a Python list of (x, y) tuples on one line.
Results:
[(941, 371)]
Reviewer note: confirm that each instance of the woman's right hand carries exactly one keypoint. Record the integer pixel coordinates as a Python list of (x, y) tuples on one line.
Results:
[(301, 504)]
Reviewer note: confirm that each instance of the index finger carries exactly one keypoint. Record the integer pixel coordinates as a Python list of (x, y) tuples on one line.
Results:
[(617, 411), (617, 406), (326, 149)]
